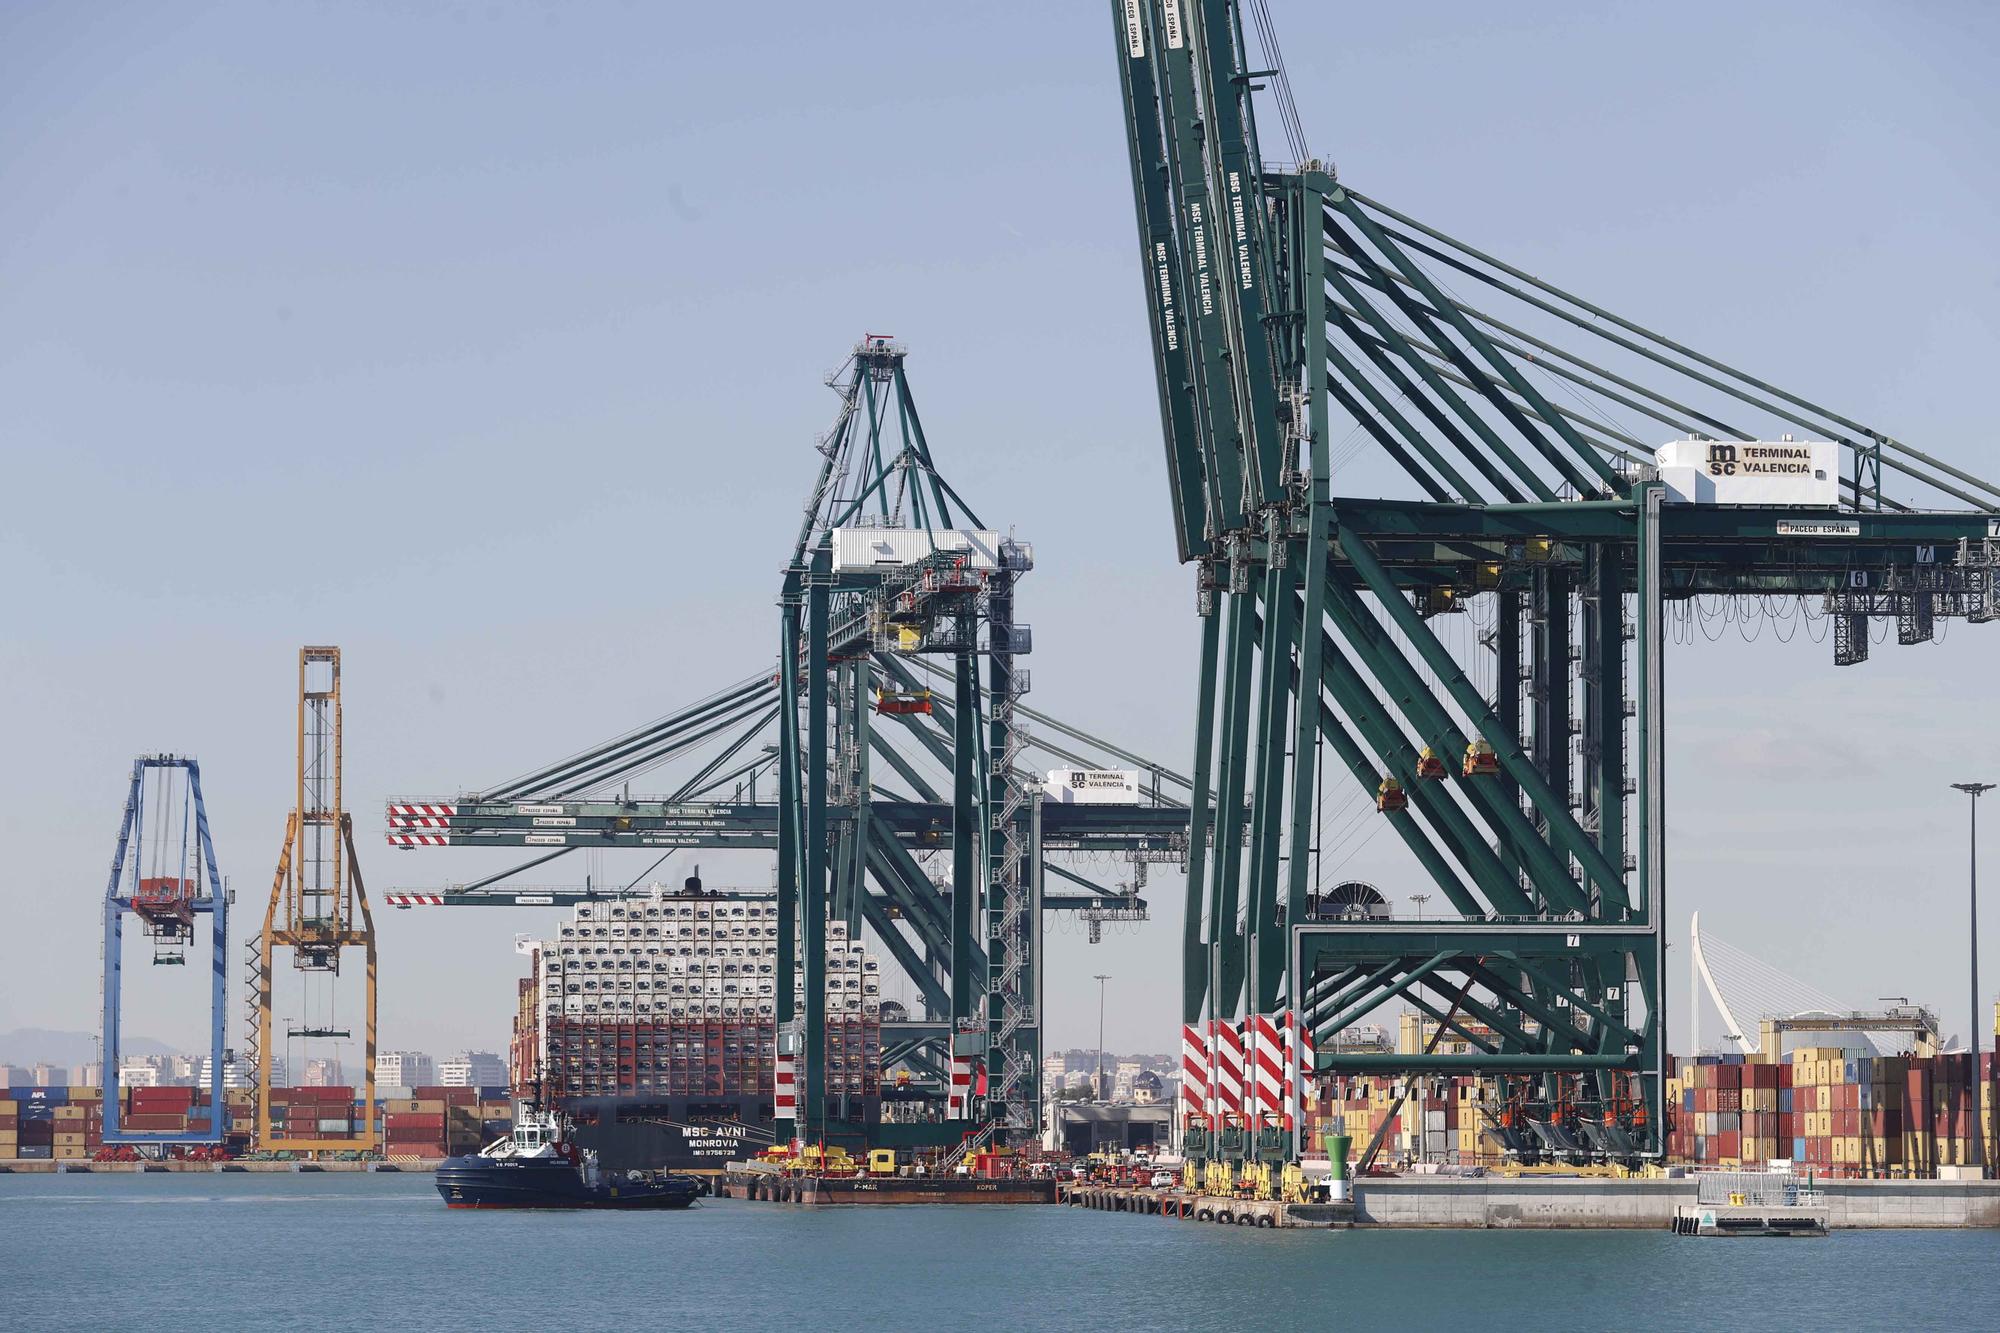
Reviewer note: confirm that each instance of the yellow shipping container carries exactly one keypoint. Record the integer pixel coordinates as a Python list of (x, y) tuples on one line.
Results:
[(9, 1107), (69, 1138), (63, 1113), (69, 1153)]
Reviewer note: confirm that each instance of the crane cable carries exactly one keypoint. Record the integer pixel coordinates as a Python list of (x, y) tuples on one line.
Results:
[(1281, 84)]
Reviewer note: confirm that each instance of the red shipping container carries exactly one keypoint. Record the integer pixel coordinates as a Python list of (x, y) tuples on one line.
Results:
[(152, 1099), (150, 1121), (417, 1120)]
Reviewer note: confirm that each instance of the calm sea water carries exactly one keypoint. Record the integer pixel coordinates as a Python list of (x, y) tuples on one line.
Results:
[(353, 1252)]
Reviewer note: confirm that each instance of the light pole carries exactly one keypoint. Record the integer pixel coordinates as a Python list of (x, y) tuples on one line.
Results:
[(1420, 899), (1975, 790), (1101, 979)]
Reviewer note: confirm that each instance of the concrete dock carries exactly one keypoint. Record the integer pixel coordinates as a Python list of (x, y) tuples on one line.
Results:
[(1496, 1202), (1186, 1207)]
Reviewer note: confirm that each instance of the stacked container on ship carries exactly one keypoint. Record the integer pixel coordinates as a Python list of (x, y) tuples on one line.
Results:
[(652, 1022)]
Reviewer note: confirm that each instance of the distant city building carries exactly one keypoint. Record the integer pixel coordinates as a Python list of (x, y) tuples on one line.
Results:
[(1414, 1033), (51, 1076), (1122, 1075), (404, 1069), (324, 1072), (1362, 1037), (472, 1069), (13, 1076), (90, 1075), (180, 1070), (235, 1073), (142, 1073), (1147, 1087)]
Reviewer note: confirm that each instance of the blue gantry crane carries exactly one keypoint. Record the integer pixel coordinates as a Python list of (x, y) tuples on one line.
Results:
[(163, 873)]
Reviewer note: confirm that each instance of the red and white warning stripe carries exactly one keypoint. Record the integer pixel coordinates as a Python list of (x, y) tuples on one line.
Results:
[(414, 899), (1298, 1068), (421, 816), (418, 840), (785, 1093), (1227, 1065), (1267, 1066), (958, 1101), (421, 811), (1194, 1074)]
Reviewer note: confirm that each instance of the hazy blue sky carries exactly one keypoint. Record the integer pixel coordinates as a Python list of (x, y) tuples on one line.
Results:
[(485, 340)]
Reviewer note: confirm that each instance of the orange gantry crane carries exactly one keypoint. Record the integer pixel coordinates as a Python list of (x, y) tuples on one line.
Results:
[(318, 909)]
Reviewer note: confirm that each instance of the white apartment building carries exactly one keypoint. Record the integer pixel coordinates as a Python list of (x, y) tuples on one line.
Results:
[(405, 1069), (472, 1069)]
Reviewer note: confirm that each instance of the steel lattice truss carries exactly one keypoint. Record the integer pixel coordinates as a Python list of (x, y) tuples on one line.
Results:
[(1294, 321)]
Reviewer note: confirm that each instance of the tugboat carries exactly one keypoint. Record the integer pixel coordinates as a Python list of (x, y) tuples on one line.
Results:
[(539, 1166)]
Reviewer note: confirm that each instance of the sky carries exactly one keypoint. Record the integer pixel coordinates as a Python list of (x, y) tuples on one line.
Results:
[(486, 341)]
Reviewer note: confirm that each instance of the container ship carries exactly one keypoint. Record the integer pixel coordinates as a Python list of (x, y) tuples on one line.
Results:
[(651, 1022)]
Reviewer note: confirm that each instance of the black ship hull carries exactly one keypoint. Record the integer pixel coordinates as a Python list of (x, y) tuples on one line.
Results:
[(486, 1182)]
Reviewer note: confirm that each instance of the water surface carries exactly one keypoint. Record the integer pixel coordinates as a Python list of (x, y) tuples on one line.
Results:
[(381, 1251)]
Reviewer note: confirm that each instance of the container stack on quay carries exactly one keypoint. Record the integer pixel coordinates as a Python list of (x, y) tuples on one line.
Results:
[(40, 1124), (1841, 1111), (675, 996), (1439, 1120), (432, 1122), (324, 1113), (67, 1124)]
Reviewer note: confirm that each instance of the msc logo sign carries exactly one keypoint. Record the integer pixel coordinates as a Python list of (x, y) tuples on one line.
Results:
[(1721, 460)]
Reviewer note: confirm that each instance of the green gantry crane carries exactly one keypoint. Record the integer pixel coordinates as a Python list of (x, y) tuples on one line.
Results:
[(1289, 314), (892, 745)]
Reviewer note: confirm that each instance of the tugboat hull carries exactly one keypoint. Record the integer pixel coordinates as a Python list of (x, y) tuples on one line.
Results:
[(485, 1182)]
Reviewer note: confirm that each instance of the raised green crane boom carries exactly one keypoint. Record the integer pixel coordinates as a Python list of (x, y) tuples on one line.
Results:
[(1290, 314)]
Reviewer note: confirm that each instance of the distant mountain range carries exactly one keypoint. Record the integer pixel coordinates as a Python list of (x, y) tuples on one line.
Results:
[(32, 1046)]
